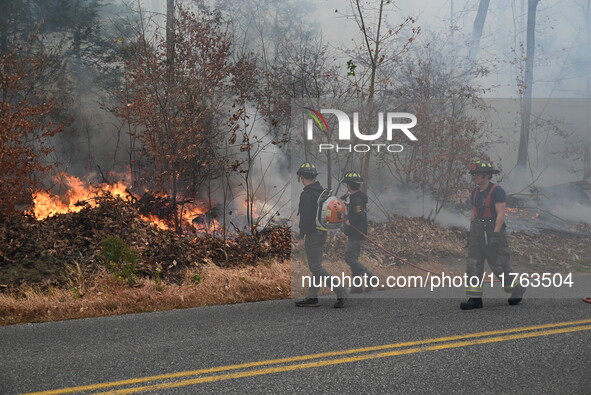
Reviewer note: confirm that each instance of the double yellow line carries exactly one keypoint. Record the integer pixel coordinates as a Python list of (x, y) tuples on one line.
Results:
[(325, 359)]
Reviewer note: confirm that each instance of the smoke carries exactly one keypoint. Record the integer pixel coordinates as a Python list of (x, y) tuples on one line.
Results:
[(260, 183), (269, 177), (398, 200), (94, 139), (576, 212), (558, 138)]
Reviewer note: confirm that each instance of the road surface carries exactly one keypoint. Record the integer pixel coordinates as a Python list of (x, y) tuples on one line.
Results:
[(376, 344)]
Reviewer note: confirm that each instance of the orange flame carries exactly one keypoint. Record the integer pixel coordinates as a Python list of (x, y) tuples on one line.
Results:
[(80, 194), (154, 220), (47, 205), (200, 220), (520, 213)]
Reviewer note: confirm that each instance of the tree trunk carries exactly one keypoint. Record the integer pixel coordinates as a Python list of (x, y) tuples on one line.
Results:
[(170, 25), (3, 35), (477, 29), (374, 56), (170, 54), (529, 80)]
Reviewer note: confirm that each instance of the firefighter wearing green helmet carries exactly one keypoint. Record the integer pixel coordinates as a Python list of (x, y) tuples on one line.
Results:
[(314, 237), (487, 239), (356, 228)]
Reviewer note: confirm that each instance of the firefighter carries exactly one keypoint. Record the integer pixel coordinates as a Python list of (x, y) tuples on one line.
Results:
[(356, 227), (314, 237), (487, 239)]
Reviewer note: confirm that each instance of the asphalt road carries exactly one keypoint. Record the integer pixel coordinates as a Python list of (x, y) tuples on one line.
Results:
[(536, 347)]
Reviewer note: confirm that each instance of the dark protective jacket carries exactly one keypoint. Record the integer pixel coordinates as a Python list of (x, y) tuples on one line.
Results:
[(308, 208), (357, 216)]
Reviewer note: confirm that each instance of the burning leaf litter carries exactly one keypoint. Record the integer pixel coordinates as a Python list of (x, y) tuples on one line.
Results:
[(43, 252)]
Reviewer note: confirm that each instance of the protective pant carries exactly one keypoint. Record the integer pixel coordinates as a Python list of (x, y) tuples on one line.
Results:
[(352, 252), (498, 258), (314, 245)]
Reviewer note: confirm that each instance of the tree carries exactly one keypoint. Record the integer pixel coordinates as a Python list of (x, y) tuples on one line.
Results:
[(173, 96), (25, 125), (433, 84), (276, 61), (72, 22), (290, 57), (82, 36), (378, 50), (477, 29), (529, 80)]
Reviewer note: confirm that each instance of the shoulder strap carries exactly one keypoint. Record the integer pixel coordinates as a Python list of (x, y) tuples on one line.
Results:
[(486, 202), (322, 197)]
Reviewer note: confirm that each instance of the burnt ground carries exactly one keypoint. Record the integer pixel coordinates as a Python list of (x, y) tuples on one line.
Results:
[(541, 249)]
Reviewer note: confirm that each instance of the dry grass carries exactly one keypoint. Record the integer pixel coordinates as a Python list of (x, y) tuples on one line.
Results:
[(336, 266), (442, 251), (104, 295), (209, 285)]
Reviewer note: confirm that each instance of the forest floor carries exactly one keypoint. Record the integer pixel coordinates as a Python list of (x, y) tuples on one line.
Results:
[(98, 263)]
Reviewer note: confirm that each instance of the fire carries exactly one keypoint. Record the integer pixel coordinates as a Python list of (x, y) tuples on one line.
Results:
[(47, 205), (154, 220), (79, 194), (252, 206), (201, 220), (521, 213)]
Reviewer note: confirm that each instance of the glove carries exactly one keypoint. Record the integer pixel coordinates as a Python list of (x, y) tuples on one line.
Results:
[(494, 241)]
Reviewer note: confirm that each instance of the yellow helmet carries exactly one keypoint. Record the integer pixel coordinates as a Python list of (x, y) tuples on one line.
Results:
[(480, 167), (351, 177), (307, 169)]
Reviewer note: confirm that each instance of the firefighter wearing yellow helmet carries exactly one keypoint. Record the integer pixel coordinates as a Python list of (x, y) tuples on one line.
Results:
[(314, 236), (356, 229), (487, 239)]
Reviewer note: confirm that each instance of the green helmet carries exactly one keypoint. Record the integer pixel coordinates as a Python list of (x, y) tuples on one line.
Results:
[(307, 170), (482, 167), (352, 177)]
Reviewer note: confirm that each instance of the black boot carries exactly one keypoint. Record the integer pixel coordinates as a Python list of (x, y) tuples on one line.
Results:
[(308, 302), (342, 295), (472, 303), (516, 296)]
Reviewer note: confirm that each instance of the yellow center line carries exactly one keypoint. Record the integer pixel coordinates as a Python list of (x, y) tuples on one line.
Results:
[(345, 360), (316, 356)]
